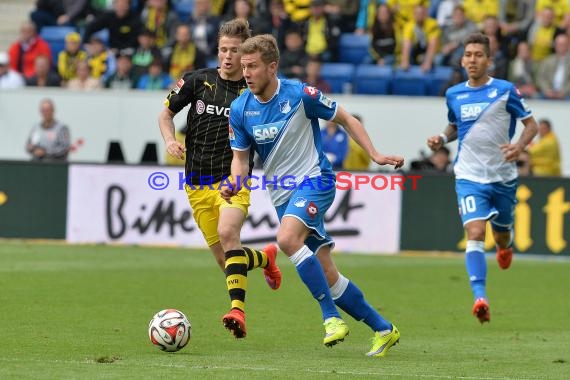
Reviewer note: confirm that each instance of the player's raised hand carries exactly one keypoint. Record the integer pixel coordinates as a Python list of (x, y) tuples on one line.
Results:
[(175, 149), (435, 142), (511, 152), (381, 159)]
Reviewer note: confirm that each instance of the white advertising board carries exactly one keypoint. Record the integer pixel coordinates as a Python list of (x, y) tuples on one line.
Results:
[(117, 204)]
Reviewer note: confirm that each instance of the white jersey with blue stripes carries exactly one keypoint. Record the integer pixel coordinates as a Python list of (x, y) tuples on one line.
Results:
[(285, 132), (485, 117)]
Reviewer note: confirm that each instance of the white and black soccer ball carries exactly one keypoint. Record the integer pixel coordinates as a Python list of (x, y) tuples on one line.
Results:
[(169, 330)]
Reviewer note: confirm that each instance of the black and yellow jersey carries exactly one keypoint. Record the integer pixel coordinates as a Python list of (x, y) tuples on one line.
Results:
[(208, 152)]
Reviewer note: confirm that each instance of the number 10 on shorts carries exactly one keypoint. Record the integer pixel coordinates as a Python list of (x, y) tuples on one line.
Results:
[(468, 205)]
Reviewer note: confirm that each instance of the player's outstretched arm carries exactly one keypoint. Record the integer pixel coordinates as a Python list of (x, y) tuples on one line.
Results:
[(166, 125), (511, 152), (240, 170), (356, 130)]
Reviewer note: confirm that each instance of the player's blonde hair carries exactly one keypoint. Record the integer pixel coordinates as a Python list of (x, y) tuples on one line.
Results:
[(237, 27), (265, 44)]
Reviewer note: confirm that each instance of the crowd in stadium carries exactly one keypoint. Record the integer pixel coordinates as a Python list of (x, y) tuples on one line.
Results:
[(148, 44)]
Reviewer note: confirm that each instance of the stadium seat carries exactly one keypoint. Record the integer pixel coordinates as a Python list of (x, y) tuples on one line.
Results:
[(55, 37), (353, 48), (437, 78), (411, 82), (183, 9), (339, 76), (373, 79)]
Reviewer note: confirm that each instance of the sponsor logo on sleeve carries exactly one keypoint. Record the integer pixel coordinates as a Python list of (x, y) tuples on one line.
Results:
[(311, 91), (325, 100), (179, 85)]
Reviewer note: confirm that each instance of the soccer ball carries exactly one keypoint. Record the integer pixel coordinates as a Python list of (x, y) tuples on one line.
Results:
[(169, 330)]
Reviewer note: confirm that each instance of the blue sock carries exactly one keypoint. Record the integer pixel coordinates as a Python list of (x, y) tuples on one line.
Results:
[(349, 298), (476, 267), (311, 273)]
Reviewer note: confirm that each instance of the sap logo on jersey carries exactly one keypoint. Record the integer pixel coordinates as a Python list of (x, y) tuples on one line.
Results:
[(266, 133), (211, 109), (472, 111)]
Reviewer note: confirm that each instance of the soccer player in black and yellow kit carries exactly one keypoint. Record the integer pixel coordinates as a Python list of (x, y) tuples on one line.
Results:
[(208, 161)]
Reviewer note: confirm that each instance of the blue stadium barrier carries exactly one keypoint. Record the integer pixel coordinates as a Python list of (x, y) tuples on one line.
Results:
[(437, 78), (339, 76), (373, 79), (353, 48), (411, 82)]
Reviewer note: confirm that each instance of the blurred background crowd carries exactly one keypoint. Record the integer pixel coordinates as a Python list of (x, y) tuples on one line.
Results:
[(147, 45)]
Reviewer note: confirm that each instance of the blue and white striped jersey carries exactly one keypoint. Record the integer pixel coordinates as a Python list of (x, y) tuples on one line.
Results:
[(486, 118), (285, 132)]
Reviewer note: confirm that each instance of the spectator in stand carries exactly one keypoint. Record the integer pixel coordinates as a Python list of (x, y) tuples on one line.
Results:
[(83, 79), (356, 158), (44, 76), (366, 15), (492, 28), (515, 18), (313, 76), (478, 10), (276, 23), (383, 37), (335, 144), (403, 11), (101, 60), (500, 65), (522, 70), (59, 13), (156, 78), (561, 10), (23, 52), (9, 79), (321, 37), (48, 140), (545, 153), (342, 14), (453, 36), (205, 27), (184, 56), (145, 53), (69, 56), (298, 10), (420, 40), (294, 58), (240, 9), (124, 78), (443, 12), (553, 78), (159, 18), (438, 162), (123, 26), (542, 34)]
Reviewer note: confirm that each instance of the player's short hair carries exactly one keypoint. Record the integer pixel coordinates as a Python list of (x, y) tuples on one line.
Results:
[(237, 27), (264, 44), (479, 38)]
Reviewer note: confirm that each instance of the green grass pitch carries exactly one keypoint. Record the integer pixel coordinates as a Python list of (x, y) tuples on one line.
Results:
[(81, 312)]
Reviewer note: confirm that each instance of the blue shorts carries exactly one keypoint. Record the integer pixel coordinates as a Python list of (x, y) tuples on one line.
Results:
[(490, 201), (309, 203)]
